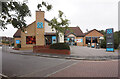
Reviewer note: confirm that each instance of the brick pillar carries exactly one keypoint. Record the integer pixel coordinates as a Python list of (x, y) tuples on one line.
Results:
[(91, 40), (39, 31)]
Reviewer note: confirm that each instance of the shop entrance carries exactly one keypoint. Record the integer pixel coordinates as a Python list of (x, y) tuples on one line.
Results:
[(70, 40), (50, 40), (92, 41)]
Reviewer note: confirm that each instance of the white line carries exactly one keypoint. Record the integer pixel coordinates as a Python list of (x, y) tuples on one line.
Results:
[(3, 75), (39, 70), (61, 69)]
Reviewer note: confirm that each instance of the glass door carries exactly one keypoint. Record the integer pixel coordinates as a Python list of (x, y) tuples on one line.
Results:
[(53, 39)]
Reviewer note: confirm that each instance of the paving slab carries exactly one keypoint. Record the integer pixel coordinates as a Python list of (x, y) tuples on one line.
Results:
[(90, 69)]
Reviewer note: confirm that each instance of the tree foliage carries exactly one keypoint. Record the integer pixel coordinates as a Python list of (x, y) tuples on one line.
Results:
[(116, 39), (44, 4), (60, 24), (14, 13)]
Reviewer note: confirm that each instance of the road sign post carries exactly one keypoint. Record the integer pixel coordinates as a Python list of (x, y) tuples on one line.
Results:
[(110, 40)]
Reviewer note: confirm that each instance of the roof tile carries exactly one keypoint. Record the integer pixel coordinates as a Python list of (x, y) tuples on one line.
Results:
[(75, 30)]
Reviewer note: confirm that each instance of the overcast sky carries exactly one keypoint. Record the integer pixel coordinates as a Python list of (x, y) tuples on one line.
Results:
[(87, 14)]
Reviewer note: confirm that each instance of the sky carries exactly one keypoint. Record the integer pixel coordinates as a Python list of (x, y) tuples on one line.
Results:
[(87, 14)]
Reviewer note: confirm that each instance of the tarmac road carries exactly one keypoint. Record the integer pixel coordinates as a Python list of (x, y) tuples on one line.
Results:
[(31, 66)]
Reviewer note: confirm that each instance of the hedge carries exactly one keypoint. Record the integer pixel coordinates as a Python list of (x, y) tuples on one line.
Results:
[(60, 46)]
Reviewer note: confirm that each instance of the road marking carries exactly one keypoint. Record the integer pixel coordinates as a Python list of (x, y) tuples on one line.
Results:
[(3, 75), (36, 71), (61, 69)]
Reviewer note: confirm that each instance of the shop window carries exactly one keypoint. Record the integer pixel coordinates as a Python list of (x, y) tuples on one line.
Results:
[(48, 40), (53, 39), (94, 39), (30, 40), (72, 39), (67, 39), (88, 40)]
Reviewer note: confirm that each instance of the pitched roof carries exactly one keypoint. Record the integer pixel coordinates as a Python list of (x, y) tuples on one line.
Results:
[(91, 31), (74, 30), (18, 32)]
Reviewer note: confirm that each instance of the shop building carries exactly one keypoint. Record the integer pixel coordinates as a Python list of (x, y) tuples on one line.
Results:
[(39, 33), (6, 40), (92, 36), (74, 36)]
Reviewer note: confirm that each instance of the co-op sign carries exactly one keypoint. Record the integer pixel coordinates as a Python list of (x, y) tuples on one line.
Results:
[(109, 39), (40, 25)]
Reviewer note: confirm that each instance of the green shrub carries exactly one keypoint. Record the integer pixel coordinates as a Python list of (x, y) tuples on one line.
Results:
[(19, 45), (15, 47), (7, 42), (103, 44), (60, 46)]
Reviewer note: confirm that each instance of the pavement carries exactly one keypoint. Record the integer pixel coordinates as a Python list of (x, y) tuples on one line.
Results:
[(77, 53), (89, 69), (88, 51)]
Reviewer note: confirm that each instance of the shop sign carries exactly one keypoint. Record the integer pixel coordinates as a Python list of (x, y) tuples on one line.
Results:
[(79, 40), (40, 25), (109, 40), (17, 41)]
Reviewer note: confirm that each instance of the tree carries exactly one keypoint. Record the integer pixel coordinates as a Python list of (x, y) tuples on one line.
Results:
[(116, 39), (103, 42), (44, 4), (14, 13), (60, 24)]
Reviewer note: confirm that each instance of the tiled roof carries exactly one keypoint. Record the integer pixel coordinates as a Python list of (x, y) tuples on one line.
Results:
[(74, 30), (91, 31)]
